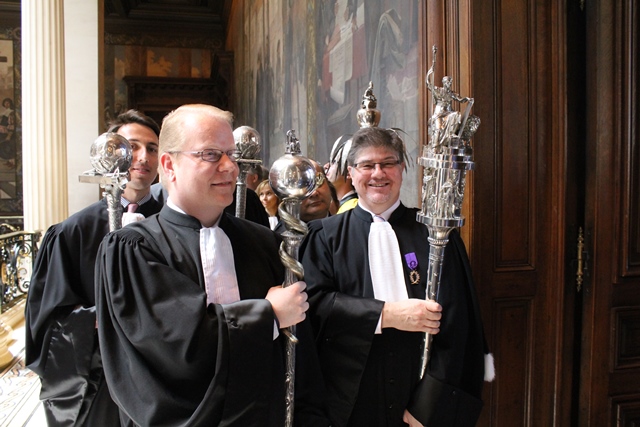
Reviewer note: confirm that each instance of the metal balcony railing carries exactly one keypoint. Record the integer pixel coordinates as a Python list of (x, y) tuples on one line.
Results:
[(18, 250)]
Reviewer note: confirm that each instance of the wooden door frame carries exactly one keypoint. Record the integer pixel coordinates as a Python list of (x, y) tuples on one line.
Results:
[(610, 368), (468, 39)]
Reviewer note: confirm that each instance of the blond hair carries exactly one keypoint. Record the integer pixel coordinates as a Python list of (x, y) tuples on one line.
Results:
[(172, 133)]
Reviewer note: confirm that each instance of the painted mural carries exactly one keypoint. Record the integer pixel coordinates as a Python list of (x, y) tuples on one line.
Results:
[(306, 65)]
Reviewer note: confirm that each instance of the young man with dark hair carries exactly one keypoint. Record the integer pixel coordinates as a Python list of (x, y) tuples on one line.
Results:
[(61, 337)]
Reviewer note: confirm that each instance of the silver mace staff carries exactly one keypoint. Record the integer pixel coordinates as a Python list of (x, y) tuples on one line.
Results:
[(293, 178), (110, 157), (248, 146), (446, 160)]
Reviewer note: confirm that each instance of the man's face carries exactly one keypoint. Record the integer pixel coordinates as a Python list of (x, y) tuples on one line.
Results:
[(316, 206), (378, 188), (203, 188), (252, 180), (144, 164)]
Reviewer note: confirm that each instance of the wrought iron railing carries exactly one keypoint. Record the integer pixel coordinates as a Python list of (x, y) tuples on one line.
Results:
[(18, 250)]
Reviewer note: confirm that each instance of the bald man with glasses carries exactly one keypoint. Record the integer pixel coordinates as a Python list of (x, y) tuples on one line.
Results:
[(190, 303)]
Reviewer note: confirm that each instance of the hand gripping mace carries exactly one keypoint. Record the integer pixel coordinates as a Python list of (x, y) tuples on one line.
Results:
[(446, 160), (248, 146), (292, 178), (110, 157)]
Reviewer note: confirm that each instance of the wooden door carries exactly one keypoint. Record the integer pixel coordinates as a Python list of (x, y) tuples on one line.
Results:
[(610, 356), (519, 211), (556, 85)]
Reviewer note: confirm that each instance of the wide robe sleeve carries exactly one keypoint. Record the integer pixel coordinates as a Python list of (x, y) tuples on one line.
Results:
[(343, 323), (167, 360), (60, 313)]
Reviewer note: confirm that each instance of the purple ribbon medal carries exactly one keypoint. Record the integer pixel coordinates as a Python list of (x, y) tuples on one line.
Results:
[(412, 263)]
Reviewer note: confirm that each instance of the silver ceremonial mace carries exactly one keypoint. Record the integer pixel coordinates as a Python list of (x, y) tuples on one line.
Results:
[(446, 160), (293, 178), (248, 146), (110, 157)]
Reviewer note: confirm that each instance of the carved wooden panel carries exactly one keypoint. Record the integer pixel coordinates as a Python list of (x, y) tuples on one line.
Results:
[(626, 333), (626, 411), (156, 96), (519, 180), (515, 92), (610, 368), (630, 137), (513, 321)]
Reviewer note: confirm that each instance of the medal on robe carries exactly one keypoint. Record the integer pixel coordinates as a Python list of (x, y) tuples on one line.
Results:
[(412, 263)]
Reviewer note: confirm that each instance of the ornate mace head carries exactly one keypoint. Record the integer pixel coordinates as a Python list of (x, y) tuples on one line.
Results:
[(292, 175), (248, 142), (111, 153), (368, 115)]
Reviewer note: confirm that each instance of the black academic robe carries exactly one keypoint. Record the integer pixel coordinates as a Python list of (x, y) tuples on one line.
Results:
[(254, 211), (61, 338), (372, 378), (169, 359)]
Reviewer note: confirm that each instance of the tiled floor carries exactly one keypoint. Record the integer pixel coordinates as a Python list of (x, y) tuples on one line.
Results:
[(19, 390)]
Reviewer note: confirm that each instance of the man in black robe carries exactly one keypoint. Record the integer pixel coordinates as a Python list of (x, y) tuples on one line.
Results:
[(369, 330), (189, 301), (61, 337)]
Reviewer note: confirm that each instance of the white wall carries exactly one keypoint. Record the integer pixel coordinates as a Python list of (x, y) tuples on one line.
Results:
[(83, 70)]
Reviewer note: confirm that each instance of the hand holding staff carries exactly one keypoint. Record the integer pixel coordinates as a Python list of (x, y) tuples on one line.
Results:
[(292, 178)]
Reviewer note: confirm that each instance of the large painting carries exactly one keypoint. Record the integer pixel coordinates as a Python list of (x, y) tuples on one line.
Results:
[(10, 127), (306, 66)]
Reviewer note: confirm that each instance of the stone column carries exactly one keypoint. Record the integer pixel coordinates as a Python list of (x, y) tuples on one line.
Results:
[(44, 158)]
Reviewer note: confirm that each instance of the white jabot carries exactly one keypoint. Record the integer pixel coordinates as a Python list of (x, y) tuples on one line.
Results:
[(218, 266), (273, 222), (385, 262)]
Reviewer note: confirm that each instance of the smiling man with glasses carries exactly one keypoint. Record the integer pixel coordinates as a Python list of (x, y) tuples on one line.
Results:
[(366, 270), (190, 301)]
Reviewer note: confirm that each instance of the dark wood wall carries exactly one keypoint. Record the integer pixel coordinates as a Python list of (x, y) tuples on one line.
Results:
[(556, 87)]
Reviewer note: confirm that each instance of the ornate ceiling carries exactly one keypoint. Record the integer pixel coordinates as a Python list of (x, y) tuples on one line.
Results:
[(168, 18), (198, 18)]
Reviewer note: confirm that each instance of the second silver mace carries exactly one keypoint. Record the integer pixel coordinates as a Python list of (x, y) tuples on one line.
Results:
[(292, 178)]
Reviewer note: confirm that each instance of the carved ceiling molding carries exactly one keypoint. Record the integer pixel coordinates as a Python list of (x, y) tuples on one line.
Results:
[(165, 41)]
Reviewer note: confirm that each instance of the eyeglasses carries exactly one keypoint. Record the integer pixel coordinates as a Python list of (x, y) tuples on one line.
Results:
[(320, 178), (368, 167), (211, 154)]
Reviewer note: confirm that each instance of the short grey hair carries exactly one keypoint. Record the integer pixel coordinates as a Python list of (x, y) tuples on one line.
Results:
[(376, 137)]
